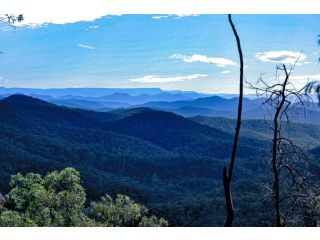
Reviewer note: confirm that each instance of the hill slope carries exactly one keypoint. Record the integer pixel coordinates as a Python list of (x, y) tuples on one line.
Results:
[(170, 163)]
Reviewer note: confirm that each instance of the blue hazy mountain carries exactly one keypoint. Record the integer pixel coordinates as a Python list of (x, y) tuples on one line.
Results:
[(102, 99), (94, 92), (216, 106)]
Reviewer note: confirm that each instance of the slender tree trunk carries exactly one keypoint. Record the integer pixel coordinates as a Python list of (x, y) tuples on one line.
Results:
[(275, 189), (275, 142), (228, 173)]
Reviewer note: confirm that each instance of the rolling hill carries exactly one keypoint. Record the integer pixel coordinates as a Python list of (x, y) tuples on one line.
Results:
[(159, 158)]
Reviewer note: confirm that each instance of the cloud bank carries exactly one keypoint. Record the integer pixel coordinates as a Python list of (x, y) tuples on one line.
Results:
[(39, 13), (284, 57), (157, 79), (219, 62)]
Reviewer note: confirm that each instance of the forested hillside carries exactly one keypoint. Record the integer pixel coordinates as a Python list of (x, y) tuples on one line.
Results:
[(169, 163)]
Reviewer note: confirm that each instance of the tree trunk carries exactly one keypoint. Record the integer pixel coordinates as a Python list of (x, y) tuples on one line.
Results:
[(275, 140), (227, 175), (275, 189)]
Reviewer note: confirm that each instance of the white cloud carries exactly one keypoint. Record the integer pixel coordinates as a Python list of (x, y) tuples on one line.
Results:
[(157, 79), (85, 46), (175, 16), (225, 72), (7, 28), (219, 62), (284, 57), (41, 12), (92, 27), (4, 80), (300, 81), (186, 15), (160, 17), (315, 77)]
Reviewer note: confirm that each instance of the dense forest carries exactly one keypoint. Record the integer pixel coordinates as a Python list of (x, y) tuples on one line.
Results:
[(169, 163)]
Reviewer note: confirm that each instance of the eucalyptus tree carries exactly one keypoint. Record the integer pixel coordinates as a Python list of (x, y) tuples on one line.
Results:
[(228, 170)]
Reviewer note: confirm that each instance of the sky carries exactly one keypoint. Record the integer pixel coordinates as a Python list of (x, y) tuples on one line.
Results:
[(172, 52)]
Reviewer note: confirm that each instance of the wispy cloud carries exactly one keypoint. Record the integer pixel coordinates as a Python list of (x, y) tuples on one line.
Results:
[(174, 16), (92, 27), (315, 77), (7, 28), (300, 80), (160, 17), (3, 79), (80, 45), (284, 57), (158, 79), (219, 62), (225, 72)]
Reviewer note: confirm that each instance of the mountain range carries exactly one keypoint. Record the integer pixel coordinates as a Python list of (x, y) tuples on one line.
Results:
[(168, 162), (185, 103)]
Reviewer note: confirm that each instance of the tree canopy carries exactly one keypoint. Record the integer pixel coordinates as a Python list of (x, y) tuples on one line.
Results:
[(58, 199)]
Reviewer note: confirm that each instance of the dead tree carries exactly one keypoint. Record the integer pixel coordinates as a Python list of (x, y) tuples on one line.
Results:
[(288, 161), (228, 172)]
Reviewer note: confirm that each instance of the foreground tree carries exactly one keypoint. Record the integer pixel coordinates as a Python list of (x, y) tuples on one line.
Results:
[(122, 212), (290, 194), (228, 171), (58, 199)]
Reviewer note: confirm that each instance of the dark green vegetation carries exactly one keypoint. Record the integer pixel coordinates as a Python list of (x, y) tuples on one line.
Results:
[(58, 200), (169, 163)]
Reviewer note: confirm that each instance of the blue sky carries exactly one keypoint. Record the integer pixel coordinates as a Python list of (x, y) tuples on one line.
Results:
[(167, 51)]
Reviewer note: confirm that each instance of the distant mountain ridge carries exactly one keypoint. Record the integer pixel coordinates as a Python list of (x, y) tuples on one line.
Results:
[(102, 99), (161, 159), (215, 106), (94, 92), (185, 103)]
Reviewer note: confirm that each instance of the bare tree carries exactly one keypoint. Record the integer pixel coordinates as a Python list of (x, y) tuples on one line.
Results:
[(228, 172), (289, 163)]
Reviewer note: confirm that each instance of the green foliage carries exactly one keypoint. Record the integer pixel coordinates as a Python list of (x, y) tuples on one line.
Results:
[(153, 221), (58, 199), (15, 219), (122, 212)]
